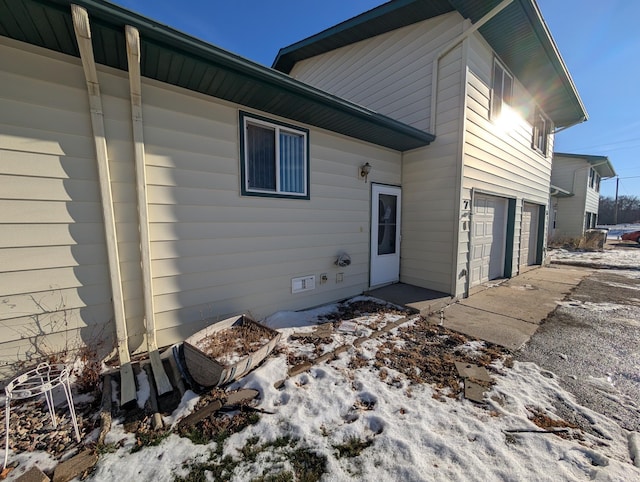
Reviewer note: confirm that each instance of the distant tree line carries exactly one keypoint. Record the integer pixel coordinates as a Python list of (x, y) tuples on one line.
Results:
[(628, 210)]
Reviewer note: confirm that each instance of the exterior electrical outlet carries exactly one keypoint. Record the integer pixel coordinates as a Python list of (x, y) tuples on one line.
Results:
[(305, 283)]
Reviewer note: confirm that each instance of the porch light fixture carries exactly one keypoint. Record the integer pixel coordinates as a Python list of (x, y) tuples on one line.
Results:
[(365, 170)]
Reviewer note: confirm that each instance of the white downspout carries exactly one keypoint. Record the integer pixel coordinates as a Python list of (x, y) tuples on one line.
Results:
[(83, 37), (133, 58), (448, 48)]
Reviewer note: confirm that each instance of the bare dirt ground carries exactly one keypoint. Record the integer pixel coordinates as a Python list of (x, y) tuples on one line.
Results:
[(591, 343)]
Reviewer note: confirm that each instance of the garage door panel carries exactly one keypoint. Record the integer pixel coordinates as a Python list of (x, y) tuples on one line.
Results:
[(488, 238), (529, 234)]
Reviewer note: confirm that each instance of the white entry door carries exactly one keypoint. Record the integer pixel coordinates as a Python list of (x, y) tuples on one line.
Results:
[(385, 234), (489, 234), (529, 235)]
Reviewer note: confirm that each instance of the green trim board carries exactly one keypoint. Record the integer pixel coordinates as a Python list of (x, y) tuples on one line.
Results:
[(518, 34), (176, 58), (542, 217), (243, 165), (509, 241)]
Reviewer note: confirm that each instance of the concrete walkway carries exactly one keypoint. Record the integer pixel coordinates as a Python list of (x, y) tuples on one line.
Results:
[(505, 312)]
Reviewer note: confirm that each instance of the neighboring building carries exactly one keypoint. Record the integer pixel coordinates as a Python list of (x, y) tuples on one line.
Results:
[(575, 193), (492, 87), (174, 183)]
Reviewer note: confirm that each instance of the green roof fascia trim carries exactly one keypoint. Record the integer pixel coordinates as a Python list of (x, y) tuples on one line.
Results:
[(562, 104), (549, 45), (355, 29), (602, 164), (395, 134)]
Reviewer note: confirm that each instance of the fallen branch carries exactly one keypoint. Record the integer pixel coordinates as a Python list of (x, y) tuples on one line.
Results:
[(533, 430)]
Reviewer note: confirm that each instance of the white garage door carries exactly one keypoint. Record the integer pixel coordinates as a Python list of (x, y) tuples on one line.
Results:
[(529, 235), (489, 233)]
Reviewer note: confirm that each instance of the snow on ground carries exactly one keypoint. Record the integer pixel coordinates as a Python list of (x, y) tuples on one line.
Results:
[(614, 232), (398, 430), (620, 258)]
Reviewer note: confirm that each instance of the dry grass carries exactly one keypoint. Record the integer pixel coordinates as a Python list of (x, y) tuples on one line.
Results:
[(234, 341), (428, 354)]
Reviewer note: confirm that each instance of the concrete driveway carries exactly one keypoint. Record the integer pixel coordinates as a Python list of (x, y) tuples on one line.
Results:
[(509, 312), (592, 345)]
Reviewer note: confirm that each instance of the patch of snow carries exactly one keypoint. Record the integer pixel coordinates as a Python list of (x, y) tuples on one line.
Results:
[(187, 404), (144, 390), (473, 347), (413, 435), (609, 257)]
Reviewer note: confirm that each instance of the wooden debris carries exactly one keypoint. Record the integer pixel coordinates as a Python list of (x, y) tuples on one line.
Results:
[(535, 430), (105, 409), (169, 357), (241, 396), (302, 367), (201, 414), (156, 421), (348, 326), (324, 330), (75, 466), (34, 474), (232, 400)]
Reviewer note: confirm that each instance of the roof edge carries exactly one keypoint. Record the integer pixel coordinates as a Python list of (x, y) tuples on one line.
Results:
[(535, 10), (284, 64), (182, 41), (597, 162)]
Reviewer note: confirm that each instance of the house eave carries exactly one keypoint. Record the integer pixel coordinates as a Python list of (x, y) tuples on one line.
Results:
[(601, 164), (518, 34), (176, 58)]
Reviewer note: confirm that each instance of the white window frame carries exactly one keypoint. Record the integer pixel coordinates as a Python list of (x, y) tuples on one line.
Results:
[(498, 101), (247, 119), (538, 120)]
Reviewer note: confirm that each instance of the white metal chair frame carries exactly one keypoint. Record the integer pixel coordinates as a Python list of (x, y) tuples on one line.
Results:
[(41, 380)]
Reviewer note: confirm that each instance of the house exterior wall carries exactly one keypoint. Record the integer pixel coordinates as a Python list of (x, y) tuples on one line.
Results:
[(498, 158), (571, 174), (389, 73), (54, 278), (592, 202), (392, 73), (214, 252)]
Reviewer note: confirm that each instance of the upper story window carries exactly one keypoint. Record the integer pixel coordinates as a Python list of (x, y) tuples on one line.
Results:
[(274, 158), (541, 132), (502, 89), (594, 180)]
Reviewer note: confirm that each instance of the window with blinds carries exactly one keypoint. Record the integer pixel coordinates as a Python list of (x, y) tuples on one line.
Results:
[(275, 159)]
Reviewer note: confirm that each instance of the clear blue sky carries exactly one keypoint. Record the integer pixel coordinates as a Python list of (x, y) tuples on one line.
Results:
[(599, 41)]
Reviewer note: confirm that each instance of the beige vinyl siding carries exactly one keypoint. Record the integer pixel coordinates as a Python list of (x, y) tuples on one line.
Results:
[(54, 283), (498, 158), (216, 253), (390, 73), (571, 174), (430, 177), (592, 200)]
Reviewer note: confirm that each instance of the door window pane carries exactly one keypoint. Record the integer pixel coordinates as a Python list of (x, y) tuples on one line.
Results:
[(387, 209)]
